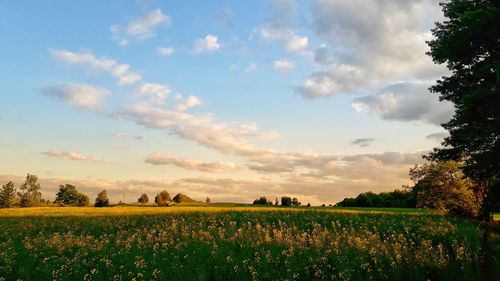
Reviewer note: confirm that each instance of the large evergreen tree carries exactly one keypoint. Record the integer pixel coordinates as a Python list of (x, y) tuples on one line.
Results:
[(468, 41)]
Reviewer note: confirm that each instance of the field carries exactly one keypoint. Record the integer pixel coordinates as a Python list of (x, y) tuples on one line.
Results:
[(231, 242)]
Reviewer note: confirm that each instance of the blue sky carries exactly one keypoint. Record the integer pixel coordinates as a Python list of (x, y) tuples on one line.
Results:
[(232, 100)]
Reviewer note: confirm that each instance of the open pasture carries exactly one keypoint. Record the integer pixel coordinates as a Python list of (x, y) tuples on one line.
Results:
[(224, 242)]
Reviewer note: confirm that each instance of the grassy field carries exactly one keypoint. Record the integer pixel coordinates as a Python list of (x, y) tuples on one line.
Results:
[(235, 242)]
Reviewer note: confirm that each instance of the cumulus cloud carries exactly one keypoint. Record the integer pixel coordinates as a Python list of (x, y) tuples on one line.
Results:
[(284, 65), (363, 142), (185, 103), (369, 43), (156, 92), (141, 28), (165, 51), (120, 71), (79, 95), (77, 156), (190, 164), (406, 102), (208, 44)]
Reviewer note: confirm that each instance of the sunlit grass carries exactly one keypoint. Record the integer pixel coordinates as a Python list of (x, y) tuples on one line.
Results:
[(235, 242)]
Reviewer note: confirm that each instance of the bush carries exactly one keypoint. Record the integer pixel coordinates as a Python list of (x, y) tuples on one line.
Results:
[(144, 199), (182, 198), (102, 199), (163, 198), (69, 196), (262, 201)]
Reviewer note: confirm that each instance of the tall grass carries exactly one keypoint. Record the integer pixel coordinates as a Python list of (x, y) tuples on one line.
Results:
[(234, 243)]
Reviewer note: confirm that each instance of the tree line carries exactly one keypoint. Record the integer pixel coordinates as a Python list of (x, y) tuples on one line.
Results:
[(29, 195), (438, 185), (285, 201)]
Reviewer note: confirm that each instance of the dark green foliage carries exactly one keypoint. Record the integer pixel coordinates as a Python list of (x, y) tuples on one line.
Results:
[(30, 194), (189, 246), (7, 195), (296, 202), (163, 198), (144, 199), (102, 199), (182, 198), (468, 41), (394, 199), (286, 201), (207, 200), (262, 201), (69, 196)]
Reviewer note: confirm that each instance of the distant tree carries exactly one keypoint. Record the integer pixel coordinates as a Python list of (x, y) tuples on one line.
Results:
[(296, 202), (69, 196), (207, 200), (30, 194), (467, 41), (323, 205), (7, 195), (286, 201), (182, 198), (163, 198), (443, 185), (276, 202), (308, 205), (262, 201), (102, 199), (144, 199)]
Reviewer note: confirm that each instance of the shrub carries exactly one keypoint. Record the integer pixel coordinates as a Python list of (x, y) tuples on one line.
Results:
[(163, 198), (144, 199), (102, 199), (182, 198)]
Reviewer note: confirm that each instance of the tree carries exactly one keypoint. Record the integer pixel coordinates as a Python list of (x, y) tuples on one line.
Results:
[(296, 202), (276, 202), (262, 201), (286, 201), (443, 186), (468, 42), (102, 199), (163, 198), (30, 194), (208, 200), (69, 196), (144, 199), (7, 195)]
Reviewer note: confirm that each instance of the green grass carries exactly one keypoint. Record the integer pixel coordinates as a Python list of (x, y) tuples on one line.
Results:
[(229, 242)]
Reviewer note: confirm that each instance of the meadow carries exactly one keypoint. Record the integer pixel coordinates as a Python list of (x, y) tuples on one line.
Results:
[(233, 242)]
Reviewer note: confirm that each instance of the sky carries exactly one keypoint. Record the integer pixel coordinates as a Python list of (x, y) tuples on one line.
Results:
[(319, 99)]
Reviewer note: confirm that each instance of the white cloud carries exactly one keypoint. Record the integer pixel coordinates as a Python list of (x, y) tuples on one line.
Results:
[(183, 104), (370, 43), (406, 102), (77, 156), (284, 65), (156, 92), (165, 51), (141, 28), (251, 67), (79, 95), (191, 164), (120, 71), (208, 44), (292, 42)]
